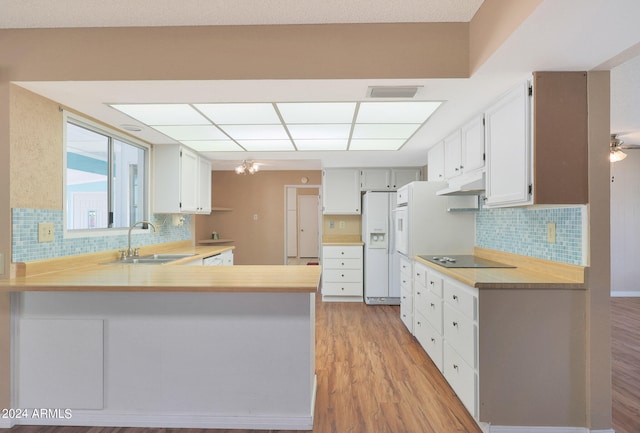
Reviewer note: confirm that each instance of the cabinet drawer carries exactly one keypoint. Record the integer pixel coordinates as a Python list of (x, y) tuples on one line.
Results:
[(342, 289), (462, 379), (420, 273), (406, 315), (430, 340), (406, 297), (460, 333), (342, 263), (336, 252), (406, 269), (432, 310), (434, 282), (461, 298), (342, 275), (406, 283), (419, 296)]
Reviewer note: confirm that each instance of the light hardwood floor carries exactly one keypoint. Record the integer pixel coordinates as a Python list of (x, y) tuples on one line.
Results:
[(625, 357), (373, 377)]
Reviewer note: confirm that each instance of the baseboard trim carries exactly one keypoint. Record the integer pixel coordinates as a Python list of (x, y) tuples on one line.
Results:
[(160, 420), (625, 294), (540, 429), (6, 423)]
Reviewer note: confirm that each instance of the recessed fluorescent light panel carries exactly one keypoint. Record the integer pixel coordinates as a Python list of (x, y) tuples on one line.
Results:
[(286, 126)]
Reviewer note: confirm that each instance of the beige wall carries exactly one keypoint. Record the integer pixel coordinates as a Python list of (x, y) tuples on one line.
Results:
[(258, 241), (599, 271), (492, 24), (36, 151)]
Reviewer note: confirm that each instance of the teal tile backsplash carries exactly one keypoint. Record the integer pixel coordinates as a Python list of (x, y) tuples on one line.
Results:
[(524, 231), (25, 245)]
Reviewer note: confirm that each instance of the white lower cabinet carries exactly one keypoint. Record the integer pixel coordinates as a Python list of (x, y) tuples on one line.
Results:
[(342, 278), (446, 326), (406, 292)]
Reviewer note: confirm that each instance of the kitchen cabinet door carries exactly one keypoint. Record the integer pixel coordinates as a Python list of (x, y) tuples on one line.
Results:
[(473, 145), (341, 191), (204, 186), (375, 179), (181, 181), (435, 163), (508, 143), (402, 176), (188, 181), (453, 155)]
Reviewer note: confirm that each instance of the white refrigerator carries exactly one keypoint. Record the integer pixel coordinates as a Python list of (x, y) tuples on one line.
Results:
[(381, 260)]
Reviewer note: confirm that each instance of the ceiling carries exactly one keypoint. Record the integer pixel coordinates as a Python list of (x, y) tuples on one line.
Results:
[(558, 35), (125, 13)]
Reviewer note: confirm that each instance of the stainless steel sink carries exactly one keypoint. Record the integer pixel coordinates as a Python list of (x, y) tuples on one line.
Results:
[(152, 259)]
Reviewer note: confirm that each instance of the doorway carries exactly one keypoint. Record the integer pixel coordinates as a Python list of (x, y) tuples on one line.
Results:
[(302, 224)]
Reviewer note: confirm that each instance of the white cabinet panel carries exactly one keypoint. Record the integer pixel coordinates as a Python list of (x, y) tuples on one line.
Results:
[(61, 363), (402, 176), (508, 143), (473, 145), (375, 179), (342, 277), (341, 191), (204, 186), (453, 155), (435, 164)]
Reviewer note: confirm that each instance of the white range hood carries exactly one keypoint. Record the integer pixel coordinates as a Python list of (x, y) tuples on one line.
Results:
[(466, 184)]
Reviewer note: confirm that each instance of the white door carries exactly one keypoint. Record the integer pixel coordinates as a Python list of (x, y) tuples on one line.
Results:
[(307, 226)]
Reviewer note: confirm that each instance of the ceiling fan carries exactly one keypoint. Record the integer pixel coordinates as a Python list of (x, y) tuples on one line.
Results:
[(616, 145)]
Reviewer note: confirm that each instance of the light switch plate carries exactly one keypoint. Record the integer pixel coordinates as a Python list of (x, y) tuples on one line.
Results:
[(551, 233), (45, 232)]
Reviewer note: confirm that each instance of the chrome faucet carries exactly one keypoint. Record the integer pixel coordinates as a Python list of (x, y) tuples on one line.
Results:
[(129, 250)]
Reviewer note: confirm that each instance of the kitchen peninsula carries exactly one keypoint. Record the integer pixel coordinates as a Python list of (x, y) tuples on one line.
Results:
[(166, 345)]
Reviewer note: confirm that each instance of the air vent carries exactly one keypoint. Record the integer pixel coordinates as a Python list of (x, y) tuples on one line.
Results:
[(392, 91)]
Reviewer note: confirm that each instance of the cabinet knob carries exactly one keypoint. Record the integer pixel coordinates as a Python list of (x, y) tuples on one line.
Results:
[(455, 324), (417, 293), (457, 169), (433, 340), (455, 367), (455, 297), (433, 305)]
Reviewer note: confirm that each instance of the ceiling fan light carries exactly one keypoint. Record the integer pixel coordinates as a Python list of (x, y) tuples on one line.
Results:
[(616, 155)]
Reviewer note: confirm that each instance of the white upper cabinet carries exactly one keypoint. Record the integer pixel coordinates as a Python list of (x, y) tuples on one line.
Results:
[(508, 143), (472, 140), (204, 186), (402, 176), (375, 179), (435, 164), (453, 155), (181, 181), (387, 179), (341, 191)]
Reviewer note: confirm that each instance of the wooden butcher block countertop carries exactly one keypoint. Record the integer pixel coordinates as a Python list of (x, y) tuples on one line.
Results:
[(529, 273), (92, 273)]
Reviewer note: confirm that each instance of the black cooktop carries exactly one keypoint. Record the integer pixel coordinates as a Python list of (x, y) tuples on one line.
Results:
[(464, 261)]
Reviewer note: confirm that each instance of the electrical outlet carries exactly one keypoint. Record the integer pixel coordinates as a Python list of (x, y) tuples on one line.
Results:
[(342, 224), (255, 217), (332, 224), (551, 233), (45, 232)]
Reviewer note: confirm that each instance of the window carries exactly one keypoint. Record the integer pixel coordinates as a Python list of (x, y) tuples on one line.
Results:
[(106, 178)]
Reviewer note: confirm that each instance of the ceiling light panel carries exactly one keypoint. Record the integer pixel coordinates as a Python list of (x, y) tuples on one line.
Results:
[(376, 144), (192, 132), (317, 112), (396, 112), (213, 145), (313, 132), (321, 145), (240, 113), (267, 145), (378, 131), (255, 132), (163, 114)]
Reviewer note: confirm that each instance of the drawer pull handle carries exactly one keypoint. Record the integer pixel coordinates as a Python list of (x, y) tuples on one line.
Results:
[(455, 297), (432, 282), (455, 324), (342, 275), (417, 293), (419, 324), (341, 288), (455, 367), (433, 305), (433, 340)]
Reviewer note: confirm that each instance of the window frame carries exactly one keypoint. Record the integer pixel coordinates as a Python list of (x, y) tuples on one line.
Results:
[(112, 134)]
